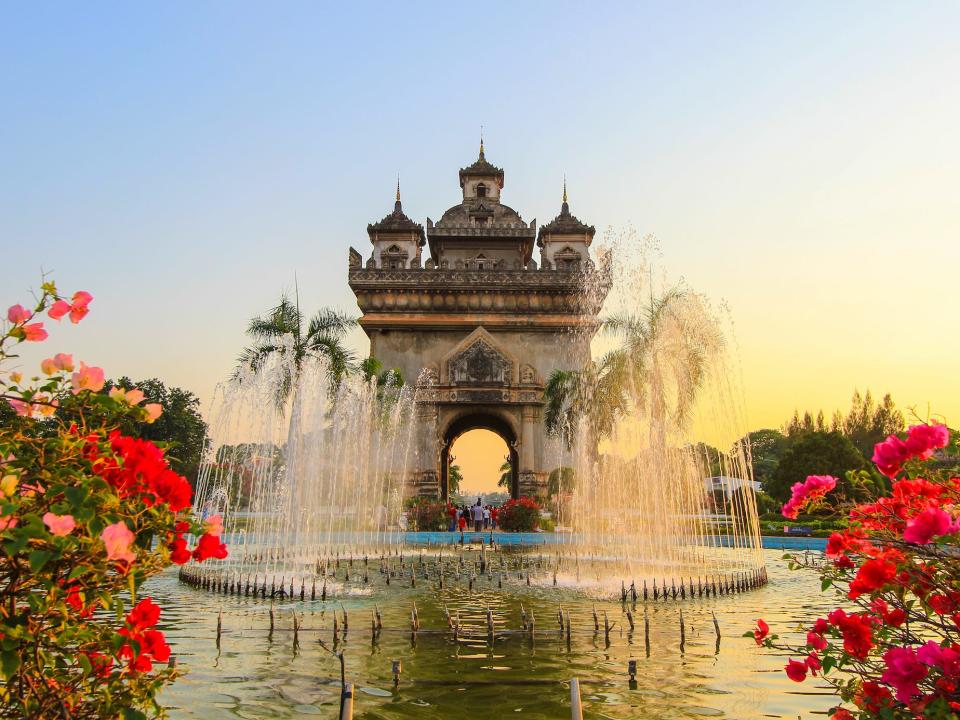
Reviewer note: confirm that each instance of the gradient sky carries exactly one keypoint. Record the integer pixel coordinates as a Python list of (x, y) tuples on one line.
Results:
[(799, 161)]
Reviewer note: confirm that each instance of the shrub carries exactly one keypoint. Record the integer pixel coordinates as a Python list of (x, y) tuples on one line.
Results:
[(893, 649), (86, 515), (522, 515), (427, 514)]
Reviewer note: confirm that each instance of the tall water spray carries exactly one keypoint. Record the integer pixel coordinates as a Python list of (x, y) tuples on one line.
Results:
[(304, 468), (662, 484)]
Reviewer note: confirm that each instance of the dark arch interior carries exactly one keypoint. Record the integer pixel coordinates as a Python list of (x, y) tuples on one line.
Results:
[(474, 422)]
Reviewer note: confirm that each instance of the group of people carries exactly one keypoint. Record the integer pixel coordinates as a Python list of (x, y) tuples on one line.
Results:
[(478, 516)]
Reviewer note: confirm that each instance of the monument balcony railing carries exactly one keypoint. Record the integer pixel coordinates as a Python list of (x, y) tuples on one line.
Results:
[(447, 277)]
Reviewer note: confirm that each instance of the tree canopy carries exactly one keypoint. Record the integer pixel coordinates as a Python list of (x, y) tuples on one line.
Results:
[(816, 453)]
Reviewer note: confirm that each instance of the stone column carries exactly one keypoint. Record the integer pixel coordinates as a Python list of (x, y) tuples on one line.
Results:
[(529, 485)]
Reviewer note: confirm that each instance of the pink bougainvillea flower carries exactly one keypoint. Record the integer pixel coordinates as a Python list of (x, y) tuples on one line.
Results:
[(922, 440), (78, 307), (59, 525), (890, 455), (904, 671), (48, 366), (130, 397), (809, 491), (23, 409), (214, 525), (7, 522), (796, 670), (154, 410), (946, 659), (63, 361), (928, 524), (34, 332), (18, 314), (58, 309), (117, 539), (88, 378)]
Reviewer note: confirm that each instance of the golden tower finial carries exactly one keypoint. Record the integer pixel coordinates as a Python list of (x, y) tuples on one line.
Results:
[(481, 142), (398, 188), (565, 187)]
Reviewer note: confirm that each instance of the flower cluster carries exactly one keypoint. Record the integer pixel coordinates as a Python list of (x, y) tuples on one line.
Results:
[(81, 506), (898, 647), (519, 515), (806, 493)]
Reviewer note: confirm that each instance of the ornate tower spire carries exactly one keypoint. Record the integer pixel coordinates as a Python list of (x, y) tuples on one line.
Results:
[(396, 206), (565, 207), (481, 142), (398, 188)]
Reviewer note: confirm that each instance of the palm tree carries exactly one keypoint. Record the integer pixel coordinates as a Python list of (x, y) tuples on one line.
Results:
[(596, 394), (322, 337), (506, 474), (659, 368)]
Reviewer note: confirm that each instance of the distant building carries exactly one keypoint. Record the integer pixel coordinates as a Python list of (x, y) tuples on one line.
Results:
[(728, 484)]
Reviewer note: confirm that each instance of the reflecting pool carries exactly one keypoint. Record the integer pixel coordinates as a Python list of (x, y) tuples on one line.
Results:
[(254, 674)]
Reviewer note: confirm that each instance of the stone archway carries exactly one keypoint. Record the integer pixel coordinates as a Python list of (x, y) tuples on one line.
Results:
[(479, 420)]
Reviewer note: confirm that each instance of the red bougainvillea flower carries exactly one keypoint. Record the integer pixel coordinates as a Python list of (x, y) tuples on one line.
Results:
[(904, 672), (873, 697), (812, 661), (873, 575), (144, 615), (18, 314), (761, 632), (890, 455), (893, 617), (796, 670), (856, 630), (209, 546), (816, 641), (179, 553), (34, 332), (842, 714), (807, 492), (928, 524)]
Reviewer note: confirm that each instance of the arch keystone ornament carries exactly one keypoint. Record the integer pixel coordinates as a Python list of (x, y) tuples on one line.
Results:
[(477, 325)]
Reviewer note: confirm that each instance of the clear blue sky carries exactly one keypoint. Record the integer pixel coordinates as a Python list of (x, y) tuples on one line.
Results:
[(182, 161)]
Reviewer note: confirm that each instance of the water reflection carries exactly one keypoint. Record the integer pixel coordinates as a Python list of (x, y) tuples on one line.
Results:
[(254, 675)]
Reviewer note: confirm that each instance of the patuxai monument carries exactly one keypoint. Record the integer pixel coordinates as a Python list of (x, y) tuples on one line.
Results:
[(464, 308)]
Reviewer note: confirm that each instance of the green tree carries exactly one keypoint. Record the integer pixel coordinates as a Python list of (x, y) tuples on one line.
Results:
[(454, 478), (322, 337), (817, 453), (506, 474), (561, 479), (180, 428), (659, 368), (767, 447)]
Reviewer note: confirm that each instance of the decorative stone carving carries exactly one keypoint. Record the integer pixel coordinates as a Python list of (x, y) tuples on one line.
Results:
[(371, 263), (430, 375), (430, 264), (356, 260), (479, 364), (528, 376)]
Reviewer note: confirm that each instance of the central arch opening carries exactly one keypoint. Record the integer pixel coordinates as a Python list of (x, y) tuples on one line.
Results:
[(482, 447)]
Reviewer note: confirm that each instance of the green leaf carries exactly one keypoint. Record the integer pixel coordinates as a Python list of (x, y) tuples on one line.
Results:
[(84, 662), (132, 714), (9, 662), (828, 664), (39, 558), (825, 583)]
